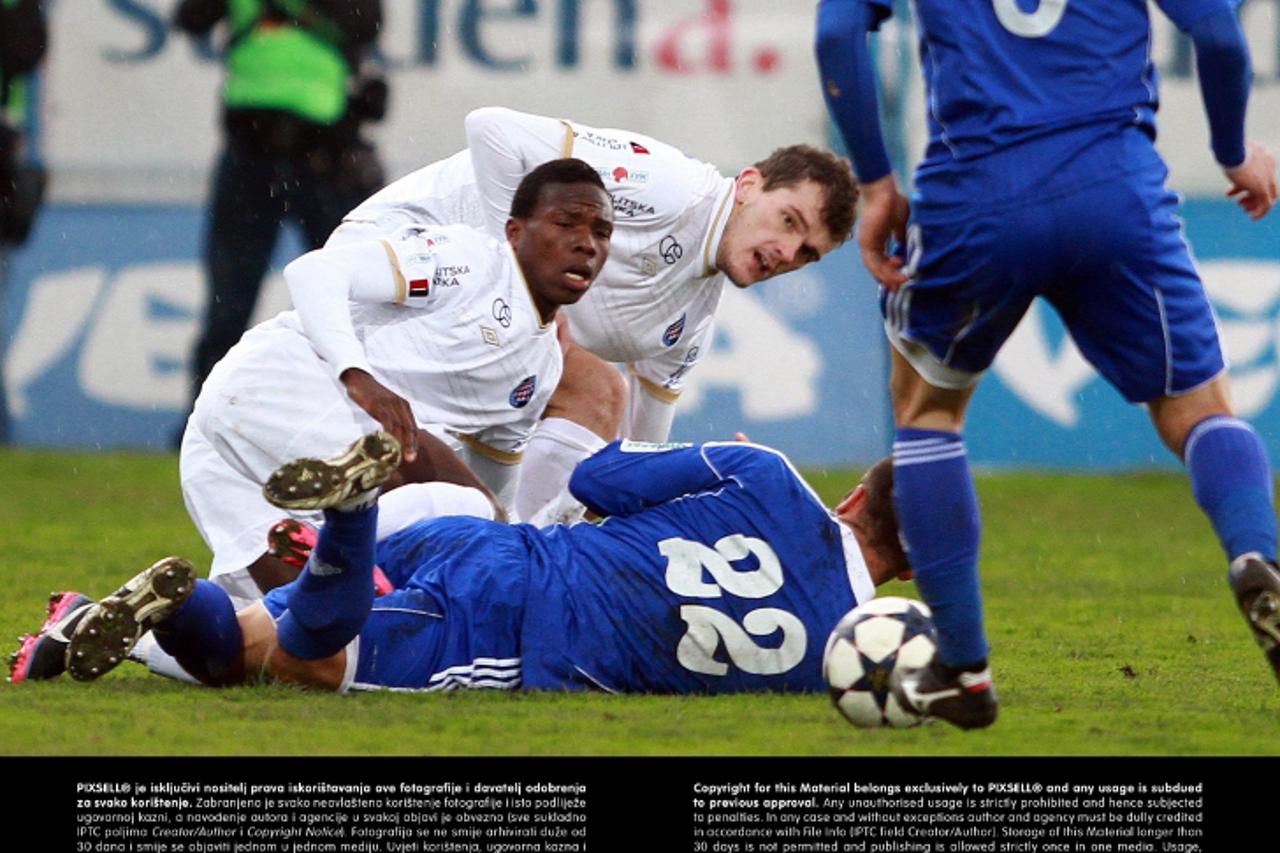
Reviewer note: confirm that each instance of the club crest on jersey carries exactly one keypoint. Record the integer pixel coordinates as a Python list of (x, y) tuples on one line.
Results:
[(670, 249), (674, 331), (523, 392)]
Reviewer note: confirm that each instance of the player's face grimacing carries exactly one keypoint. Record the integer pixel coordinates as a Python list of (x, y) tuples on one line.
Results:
[(562, 247), (774, 231)]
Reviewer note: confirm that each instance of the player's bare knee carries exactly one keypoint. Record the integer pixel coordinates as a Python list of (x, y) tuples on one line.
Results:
[(1174, 417), (922, 406), (918, 404), (591, 392)]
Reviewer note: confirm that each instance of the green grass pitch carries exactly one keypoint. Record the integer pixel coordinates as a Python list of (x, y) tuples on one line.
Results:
[(1113, 631)]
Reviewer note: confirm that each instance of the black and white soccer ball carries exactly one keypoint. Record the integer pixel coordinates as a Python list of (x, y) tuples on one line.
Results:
[(864, 649)]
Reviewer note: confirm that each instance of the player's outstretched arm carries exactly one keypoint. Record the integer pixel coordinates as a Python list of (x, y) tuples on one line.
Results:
[(505, 146), (628, 476), (850, 88), (322, 284), (1225, 70)]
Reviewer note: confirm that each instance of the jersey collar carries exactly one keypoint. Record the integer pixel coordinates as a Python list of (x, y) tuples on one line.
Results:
[(711, 244), (859, 577), (540, 324)]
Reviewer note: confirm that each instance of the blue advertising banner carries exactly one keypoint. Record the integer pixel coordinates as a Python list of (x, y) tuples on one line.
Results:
[(102, 308)]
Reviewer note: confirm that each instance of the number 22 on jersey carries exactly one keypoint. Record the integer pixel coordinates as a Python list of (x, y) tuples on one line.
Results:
[(708, 627)]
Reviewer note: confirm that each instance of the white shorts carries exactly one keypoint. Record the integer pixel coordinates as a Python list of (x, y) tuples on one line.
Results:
[(269, 401)]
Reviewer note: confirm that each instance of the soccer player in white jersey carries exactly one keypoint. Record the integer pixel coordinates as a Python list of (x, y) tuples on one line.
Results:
[(681, 231), (442, 328)]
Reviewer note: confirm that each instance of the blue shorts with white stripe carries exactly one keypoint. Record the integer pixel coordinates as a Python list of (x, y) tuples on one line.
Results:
[(1105, 248)]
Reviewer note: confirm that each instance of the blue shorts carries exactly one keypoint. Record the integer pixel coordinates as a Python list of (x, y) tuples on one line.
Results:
[(454, 619), (1108, 254)]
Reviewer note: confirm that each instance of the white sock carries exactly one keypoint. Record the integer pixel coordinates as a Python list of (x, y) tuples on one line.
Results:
[(557, 446), (159, 661), (565, 509), (401, 507)]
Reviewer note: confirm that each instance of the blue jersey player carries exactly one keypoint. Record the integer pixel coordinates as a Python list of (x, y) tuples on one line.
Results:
[(1041, 179), (716, 569)]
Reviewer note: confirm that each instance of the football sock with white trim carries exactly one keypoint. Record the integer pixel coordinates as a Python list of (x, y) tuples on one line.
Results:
[(330, 600), (203, 635), (941, 526), (1231, 480)]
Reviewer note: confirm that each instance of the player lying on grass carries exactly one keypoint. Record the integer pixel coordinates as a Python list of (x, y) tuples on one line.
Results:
[(439, 327), (682, 231), (716, 569)]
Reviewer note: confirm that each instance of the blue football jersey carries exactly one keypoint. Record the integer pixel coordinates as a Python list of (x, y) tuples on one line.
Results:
[(1059, 74), (717, 569)]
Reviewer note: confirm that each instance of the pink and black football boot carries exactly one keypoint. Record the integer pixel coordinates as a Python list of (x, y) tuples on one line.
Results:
[(43, 655), (292, 541)]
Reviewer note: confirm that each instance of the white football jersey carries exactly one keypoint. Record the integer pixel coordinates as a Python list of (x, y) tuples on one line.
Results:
[(654, 303), (441, 315), (442, 193), (464, 343)]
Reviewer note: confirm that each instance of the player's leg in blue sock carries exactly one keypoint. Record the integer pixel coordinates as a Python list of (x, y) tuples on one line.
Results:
[(1231, 480), (204, 637), (939, 517), (330, 601)]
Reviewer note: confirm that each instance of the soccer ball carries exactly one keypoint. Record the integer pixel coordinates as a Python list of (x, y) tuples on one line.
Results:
[(862, 652)]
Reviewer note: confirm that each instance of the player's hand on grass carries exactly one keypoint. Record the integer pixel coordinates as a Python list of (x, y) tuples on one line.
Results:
[(884, 215), (1253, 182), (384, 406)]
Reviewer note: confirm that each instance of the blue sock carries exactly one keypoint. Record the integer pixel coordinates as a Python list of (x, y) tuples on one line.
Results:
[(940, 522), (1231, 480), (203, 635), (330, 601)]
